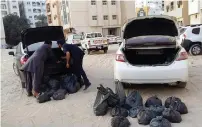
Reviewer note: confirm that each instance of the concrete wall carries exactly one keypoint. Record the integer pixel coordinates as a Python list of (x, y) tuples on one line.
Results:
[(195, 19), (3, 42), (193, 7)]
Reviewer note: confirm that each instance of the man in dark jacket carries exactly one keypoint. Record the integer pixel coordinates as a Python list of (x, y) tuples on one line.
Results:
[(34, 68), (74, 58)]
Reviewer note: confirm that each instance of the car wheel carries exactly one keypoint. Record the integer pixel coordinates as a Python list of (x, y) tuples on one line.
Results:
[(119, 89), (23, 84), (15, 69), (195, 49), (105, 50), (182, 84)]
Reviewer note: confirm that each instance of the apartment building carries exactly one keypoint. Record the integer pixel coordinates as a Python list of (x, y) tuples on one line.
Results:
[(195, 11), (53, 12), (95, 16), (178, 9), (149, 7), (31, 9), (9, 7)]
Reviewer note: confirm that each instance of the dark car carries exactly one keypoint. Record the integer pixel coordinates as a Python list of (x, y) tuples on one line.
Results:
[(32, 39)]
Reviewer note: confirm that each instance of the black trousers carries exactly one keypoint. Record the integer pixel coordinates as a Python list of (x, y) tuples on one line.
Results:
[(77, 69)]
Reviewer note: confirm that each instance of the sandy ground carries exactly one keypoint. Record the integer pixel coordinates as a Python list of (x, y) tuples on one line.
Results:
[(76, 110)]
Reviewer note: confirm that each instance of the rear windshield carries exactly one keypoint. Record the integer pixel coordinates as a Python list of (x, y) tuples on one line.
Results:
[(93, 35), (35, 46), (77, 36), (182, 30)]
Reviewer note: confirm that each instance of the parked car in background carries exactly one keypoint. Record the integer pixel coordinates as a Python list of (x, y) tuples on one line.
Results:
[(150, 55), (119, 40), (192, 39), (32, 40), (74, 39), (111, 39), (94, 41)]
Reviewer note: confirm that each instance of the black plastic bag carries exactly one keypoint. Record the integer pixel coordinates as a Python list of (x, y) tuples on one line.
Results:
[(157, 110), (59, 94), (54, 84), (145, 116), (170, 100), (172, 115), (133, 112), (113, 99), (179, 106), (43, 97), (160, 122), (134, 99), (70, 83), (100, 106), (120, 121), (154, 100), (50, 92), (119, 111)]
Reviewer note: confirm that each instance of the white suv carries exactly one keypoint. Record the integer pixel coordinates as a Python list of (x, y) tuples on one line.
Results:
[(192, 39)]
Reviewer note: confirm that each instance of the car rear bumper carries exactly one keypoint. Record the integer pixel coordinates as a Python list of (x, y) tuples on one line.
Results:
[(178, 71), (98, 47)]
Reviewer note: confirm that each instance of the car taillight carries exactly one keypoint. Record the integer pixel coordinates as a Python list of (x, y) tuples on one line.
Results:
[(182, 56), (23, 60), (184, 36), (120, 58), (89, 43)]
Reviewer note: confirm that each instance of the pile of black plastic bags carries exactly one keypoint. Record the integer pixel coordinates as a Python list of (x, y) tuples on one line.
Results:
[(152, 113), (57, 87)]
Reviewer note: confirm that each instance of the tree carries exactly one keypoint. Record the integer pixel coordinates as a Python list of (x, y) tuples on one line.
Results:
[(13, 26), (42, 21)]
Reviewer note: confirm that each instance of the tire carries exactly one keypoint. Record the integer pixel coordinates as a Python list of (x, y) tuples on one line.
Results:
[(105, 50), (119, 90), (88, 51), (195, 49), (15, 69), (23, 84), (182, 84)]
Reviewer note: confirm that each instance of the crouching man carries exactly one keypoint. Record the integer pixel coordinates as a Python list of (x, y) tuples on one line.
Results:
[(74, 58)]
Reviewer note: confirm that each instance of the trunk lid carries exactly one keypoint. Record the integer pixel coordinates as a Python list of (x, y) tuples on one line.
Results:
[(39, 34), (150, 31)]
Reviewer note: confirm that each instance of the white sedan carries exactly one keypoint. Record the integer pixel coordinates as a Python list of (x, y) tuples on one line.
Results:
[(152, 58)]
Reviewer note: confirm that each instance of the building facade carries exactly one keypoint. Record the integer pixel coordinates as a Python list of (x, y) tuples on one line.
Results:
[(178, 9), (195, 11), (53, 12), (95, 16), (9, 7), (31, 9), (149, 7)]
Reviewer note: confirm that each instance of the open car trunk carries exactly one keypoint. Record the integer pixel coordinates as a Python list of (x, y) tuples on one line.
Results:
[(150, 41), (151, 57), (33, 38)]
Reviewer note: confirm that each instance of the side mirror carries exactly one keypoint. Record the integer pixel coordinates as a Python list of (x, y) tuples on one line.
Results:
[(11, 53)]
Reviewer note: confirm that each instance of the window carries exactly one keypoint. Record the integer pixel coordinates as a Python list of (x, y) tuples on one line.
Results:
[(114, 17), (30, 17), (28, 3), (167, 8), (104, 2), (94, 17), (35, 17), (196, 31), (196, 16), (105, 17), (171, 6), (113, 2), (179, 3), (14, 1), (93, 2), (14, 6), (15, 13), (3, 6), (29, 10), (4, 12)]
